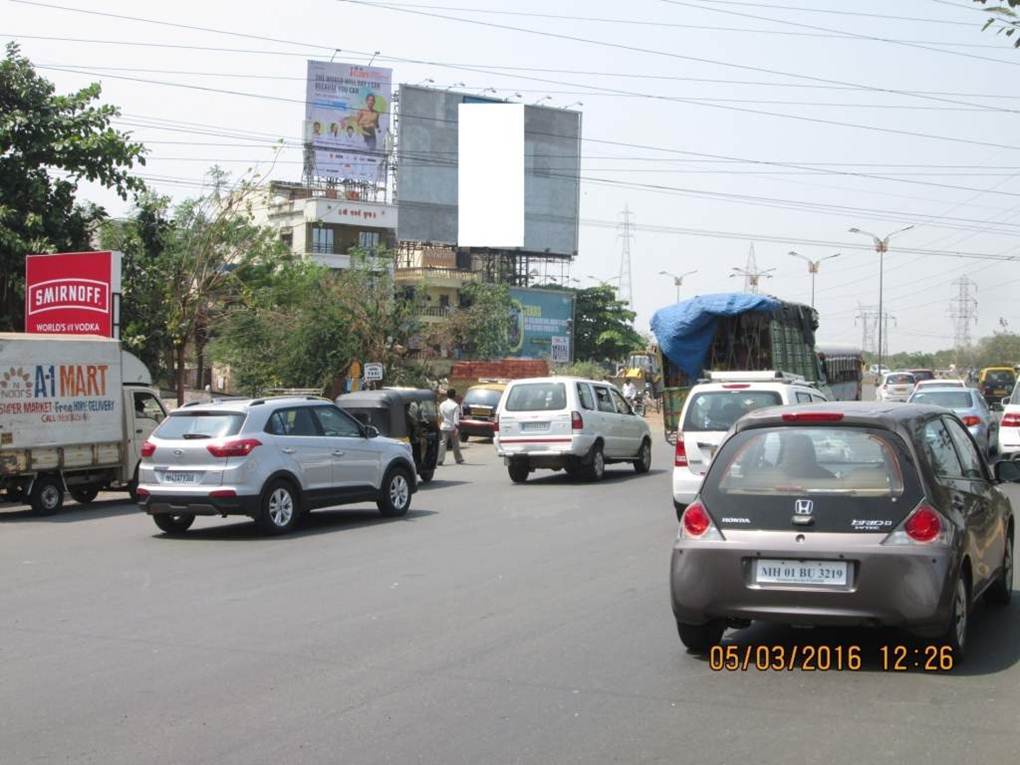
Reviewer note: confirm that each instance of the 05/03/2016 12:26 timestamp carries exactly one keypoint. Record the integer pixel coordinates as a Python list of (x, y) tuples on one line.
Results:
[(824, 658)]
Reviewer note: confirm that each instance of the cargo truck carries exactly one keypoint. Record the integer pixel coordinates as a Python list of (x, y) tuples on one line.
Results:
[(732, 332), (74, 413)]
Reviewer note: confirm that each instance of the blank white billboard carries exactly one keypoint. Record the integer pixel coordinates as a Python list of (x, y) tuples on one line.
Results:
[(490, 175)]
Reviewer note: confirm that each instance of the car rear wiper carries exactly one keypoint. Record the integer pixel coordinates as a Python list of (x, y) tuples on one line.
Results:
[(190, 436)]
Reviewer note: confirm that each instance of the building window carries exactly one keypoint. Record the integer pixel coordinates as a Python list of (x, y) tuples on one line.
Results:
[(322, 240), (444, 301), (368, 240)]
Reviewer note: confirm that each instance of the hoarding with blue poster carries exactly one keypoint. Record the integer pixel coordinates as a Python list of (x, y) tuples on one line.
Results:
[(542, 324)]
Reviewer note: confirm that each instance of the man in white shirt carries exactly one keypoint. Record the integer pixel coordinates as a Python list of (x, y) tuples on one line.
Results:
[(449, 425), (629, 391)]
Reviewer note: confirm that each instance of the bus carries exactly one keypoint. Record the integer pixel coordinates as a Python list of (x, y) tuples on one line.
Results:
[(844, 370)]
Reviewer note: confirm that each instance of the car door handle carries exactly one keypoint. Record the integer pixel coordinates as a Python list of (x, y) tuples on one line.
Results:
[(338, 453), (287, 450)]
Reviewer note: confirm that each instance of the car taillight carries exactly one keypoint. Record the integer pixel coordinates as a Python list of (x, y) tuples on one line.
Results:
[(148, 449), (140, 492), (923, 525), (223, 493), (680, 455), (576, 421), (1011, 420), (697, 524), (240, 448), (971, 420)]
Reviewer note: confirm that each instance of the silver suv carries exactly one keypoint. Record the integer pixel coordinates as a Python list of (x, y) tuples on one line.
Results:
[(271, 459)]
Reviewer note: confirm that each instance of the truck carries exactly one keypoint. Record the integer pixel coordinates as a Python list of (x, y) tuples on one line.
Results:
[(731, 331), (74, 413)]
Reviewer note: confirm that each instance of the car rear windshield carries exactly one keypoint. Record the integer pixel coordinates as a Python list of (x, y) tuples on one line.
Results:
[(718, 410), (899, 380), (483, 397), (951, 399), (922, 374), (537, 397), (1002, 379), (200, 425)]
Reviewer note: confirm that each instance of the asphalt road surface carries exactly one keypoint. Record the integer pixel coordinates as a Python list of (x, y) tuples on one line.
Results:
[(494, 624)]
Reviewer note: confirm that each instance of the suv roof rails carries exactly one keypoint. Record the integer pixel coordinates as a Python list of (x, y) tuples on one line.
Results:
[(754, 375)]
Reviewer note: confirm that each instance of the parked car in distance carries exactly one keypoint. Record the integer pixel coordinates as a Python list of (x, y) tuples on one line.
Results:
[(969, 406), (995, 383), (571, 424), (895, 386), (1009, 426), (711, 409), (271, 459), (478, 410), (782, 532), (921, 375)]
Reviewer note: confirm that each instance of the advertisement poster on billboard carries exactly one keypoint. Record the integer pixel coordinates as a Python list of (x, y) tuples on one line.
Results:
[(541, 324), (347, 109), (72, 293)]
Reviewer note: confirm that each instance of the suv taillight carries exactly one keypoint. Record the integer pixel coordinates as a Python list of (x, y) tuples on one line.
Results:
[(576, 421), (680, 454), (240, 448), (1011, 420), (148, 449)]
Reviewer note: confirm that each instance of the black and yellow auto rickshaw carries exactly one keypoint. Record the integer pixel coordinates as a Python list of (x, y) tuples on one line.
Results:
[(407, 414)]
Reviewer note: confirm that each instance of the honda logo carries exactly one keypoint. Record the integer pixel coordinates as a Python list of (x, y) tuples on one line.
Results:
[(180, 452), (804, 507)]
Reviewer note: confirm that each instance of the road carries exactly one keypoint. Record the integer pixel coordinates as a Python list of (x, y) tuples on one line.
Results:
[(494, 624)]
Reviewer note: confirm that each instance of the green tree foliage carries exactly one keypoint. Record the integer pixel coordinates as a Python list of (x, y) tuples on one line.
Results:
[(49, 143), (603, 325), (1000, 349), (479, 327), (1004, 18)]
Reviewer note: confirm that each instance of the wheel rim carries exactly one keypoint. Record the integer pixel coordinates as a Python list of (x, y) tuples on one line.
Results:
[(646, 455), (50, 497), (599, 463), (281, 507), (399, 491), (961, 613)]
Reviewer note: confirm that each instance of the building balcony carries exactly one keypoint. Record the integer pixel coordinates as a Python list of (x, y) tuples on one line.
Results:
[(438, 277)]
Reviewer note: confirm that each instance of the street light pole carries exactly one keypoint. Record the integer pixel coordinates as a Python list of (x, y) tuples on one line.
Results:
[(678, 280), (812, 269), (881, 247)]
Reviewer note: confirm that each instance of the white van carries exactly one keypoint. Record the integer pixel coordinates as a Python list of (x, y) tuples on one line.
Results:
[(566, 423)]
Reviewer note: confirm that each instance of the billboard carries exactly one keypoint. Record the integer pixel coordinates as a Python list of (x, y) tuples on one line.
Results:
[(347, 117), (428, 161), (72, 293), (542, 324)]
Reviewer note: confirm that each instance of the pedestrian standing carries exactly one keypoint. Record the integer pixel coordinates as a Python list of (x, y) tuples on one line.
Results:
[(449, 411)]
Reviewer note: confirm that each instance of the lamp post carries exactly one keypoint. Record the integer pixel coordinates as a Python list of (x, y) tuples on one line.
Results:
[(753, 277), (881, 247), (678, 279), (812, 267)]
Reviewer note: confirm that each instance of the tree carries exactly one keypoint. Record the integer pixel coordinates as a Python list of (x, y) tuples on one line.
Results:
[(603, 325), (1004, 18), (43, 134), (480, 326)]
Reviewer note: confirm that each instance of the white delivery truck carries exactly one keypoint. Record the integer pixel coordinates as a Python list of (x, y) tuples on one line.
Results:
[(74, 413)]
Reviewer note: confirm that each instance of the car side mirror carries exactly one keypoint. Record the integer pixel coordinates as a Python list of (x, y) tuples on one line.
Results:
[(1005, 401), (371, 431), (1007, 471)]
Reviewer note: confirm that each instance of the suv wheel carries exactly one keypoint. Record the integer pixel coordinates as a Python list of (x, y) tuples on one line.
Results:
[(698, 638), (644, 461), (279, 509), (395, 493), (47, 495), (595, 470), (518, 470), (174, 524)]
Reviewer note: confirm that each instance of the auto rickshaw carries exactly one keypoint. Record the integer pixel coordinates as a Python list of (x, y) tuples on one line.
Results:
[(407, 414)]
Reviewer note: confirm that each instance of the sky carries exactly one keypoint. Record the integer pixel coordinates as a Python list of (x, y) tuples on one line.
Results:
[(721, 125)]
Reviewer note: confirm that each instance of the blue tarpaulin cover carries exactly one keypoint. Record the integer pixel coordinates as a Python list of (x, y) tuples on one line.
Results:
[(685, 330)]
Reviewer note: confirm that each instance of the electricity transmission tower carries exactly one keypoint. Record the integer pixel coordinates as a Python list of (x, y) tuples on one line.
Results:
[(751, 273), (868, 317), (963, 311), (626, 282)]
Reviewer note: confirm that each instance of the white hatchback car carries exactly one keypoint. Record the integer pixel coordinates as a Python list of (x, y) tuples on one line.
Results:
[(711, 409), (895, 386), (566, 423)]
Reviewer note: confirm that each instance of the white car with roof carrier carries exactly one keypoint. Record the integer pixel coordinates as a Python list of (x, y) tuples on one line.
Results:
[(571, 424), (711, 408), (271, 459)]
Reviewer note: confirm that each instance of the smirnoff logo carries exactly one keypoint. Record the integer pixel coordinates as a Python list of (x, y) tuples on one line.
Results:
[(56, 294)]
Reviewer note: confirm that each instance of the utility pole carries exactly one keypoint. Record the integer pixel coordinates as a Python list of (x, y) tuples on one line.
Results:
[(751, 273), (812, 267), (626, 282), (874, 324), (963, 311), (881, 247)]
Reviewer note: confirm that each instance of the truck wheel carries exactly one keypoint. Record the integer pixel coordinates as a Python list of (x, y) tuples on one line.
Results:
[(47, 495), (83, 495), (395, 493), (426, 475), (174, 524)]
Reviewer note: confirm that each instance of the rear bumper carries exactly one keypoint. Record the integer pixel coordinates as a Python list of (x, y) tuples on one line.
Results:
[(897, 586), (552, 452), (485, 428), (195, 504), (686, 485)]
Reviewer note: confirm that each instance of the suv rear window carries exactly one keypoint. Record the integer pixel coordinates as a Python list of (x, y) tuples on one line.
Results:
[(899, 380), (922, 374), (951, 399), (537, 397), (1002, 379), (718, 410), (200, 425), (482, 397)]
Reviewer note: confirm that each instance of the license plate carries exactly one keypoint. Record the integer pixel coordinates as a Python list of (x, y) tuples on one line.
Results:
[(179, 476), (480, 412), (999, 392), (800, 571), (532, 426)]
